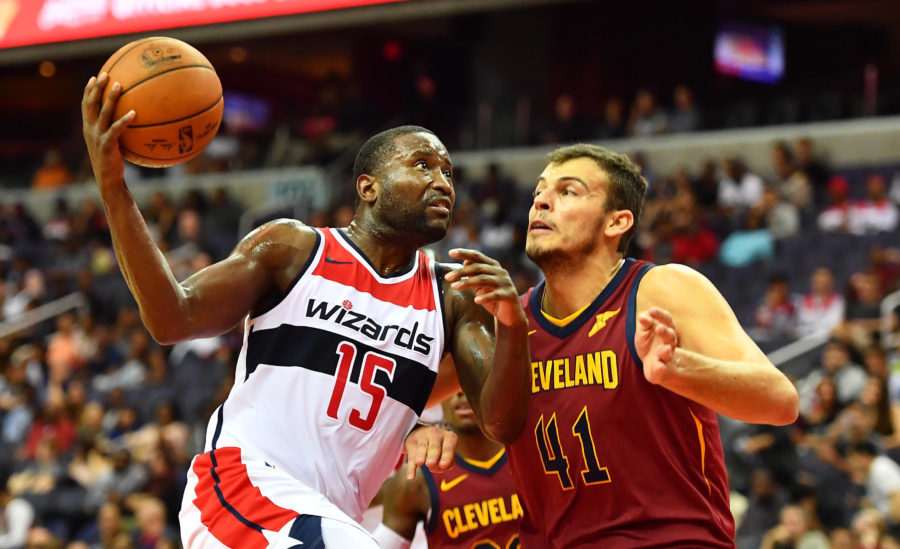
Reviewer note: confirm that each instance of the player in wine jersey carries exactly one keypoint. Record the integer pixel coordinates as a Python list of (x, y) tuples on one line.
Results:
[(471, 506), (343, 333), (629, 365)]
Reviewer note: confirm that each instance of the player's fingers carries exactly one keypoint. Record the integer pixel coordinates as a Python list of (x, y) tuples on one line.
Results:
[(434, 450), (667, 334), (448, 450), (472, 255), (410, 469), (119, 125), (661, 315), (93, 94), (109, 105), (481, 281), (496, 295), (665, 353), (472, 269)]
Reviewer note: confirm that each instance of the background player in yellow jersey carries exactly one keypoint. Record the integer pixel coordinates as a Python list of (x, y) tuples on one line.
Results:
[(630, 364), (471, 506)]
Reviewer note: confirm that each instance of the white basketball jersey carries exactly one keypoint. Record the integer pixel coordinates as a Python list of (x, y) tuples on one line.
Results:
[(331, 379)]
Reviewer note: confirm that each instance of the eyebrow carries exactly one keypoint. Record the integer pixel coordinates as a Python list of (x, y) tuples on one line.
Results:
[(429, 152), (567, 178)]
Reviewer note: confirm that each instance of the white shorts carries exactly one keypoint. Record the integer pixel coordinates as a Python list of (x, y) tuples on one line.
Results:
[(236, 504)]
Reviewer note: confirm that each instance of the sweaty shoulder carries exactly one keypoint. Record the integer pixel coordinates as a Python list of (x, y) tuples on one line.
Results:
[(283, 246)]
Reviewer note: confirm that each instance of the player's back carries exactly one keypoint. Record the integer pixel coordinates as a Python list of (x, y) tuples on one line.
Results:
[(331, 379), (473, 505), (606, 455)]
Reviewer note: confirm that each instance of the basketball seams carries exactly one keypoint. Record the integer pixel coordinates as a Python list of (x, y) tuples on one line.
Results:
[(192, 115), (152, 76), (124, 53)]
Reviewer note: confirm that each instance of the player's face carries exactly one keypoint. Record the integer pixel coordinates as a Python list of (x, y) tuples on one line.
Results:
[(458, 414), (417, 193), (568, 213)]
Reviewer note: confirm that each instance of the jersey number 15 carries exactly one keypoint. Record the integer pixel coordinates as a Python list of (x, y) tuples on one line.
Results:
[(372, 362)]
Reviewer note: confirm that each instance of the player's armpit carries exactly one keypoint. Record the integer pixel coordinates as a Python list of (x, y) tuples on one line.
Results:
[(715, 362), (446, 383), (213, 300)]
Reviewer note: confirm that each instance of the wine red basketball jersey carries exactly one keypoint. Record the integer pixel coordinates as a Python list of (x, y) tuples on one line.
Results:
[(608, 459), (473, 506)]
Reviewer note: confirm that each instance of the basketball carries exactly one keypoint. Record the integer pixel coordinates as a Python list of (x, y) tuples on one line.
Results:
[(176, 96)]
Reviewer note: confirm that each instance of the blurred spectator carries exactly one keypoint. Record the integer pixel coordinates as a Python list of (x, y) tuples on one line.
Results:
[(862, 318), (613, 124), (52, 423), (849, 378), (876, 213), (869, 528), (101, 533), (781, 218), (776, 317), (822, 309), (766, 499), (835, 217), (706, 186), (739, 188), (42, 538), (123, 479), (813, 166), (646, 117), (793, 184), (693, 243), (823, 407), (567, 125), (52, 174), (152, 529), (794, 532), (685, 117), (32, 290), (748, 245), (16, 518), (881, 477)]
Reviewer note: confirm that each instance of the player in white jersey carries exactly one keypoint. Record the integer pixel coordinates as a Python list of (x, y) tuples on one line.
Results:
[(344, 331)]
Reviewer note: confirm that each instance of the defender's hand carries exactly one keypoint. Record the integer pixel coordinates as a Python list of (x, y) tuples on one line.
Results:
[(493, 288), (655, 341), (429, 446), (101, 134)]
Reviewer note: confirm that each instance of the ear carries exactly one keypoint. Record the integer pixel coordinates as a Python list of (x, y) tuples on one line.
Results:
[(368, 187), (619, 222)]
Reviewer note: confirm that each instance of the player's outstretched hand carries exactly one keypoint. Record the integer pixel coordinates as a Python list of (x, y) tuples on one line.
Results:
[(655, 341), (101, 133), (493, 288), (429, 446)]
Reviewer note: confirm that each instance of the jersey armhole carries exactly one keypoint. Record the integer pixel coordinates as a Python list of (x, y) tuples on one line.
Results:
[(631, 319), (433, 510), (313, 254)]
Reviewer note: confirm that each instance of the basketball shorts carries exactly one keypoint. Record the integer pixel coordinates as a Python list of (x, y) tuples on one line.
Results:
[(246, 504)]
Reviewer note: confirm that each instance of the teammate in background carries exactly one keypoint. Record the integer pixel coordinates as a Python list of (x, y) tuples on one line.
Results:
[(343, 333), (473, 505), (630, 364)]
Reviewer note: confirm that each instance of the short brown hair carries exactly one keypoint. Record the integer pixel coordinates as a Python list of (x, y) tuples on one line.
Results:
[(627, 186)]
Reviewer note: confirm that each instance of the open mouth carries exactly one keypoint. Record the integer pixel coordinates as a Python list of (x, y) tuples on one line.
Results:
[(440, 204), (538, 226)]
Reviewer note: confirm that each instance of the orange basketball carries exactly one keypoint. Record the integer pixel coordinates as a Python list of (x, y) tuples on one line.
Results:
[(176, 96)]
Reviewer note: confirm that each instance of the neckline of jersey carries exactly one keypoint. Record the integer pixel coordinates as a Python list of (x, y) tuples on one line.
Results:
[(393, 278), (562, 332)]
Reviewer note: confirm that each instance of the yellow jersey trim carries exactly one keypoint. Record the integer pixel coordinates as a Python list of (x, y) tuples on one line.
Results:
[(486, 464)]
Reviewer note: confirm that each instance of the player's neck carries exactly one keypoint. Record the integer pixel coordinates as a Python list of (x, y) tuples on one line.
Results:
[(571, 289), (475, 446), (386, 252)]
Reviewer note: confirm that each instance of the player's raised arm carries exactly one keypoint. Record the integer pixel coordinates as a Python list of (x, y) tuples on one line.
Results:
[(692, 344), (406, 503), (214, 299), (489, 343)]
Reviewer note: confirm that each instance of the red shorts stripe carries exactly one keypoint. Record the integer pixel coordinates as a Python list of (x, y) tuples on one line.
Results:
[(239, 493)]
